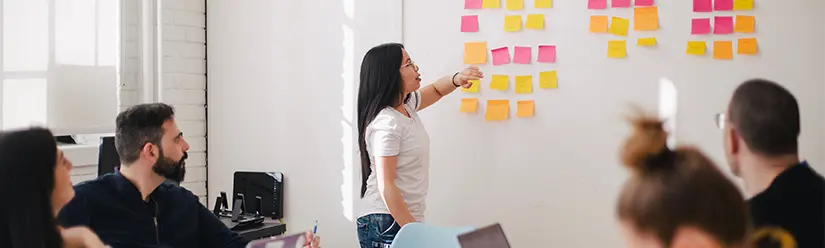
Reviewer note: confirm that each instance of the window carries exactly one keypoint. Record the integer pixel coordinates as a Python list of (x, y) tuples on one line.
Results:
[(60, 64)]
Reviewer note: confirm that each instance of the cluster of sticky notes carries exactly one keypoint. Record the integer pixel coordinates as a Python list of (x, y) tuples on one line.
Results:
[(602, 4), (499, 109), (723, 25), (721, 5), (645, 18), (509, 4), (723, 49), (524, 83), (520, 55)]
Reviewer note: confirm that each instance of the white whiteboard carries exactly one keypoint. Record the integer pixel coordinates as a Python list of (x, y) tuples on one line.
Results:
[(552, 180)]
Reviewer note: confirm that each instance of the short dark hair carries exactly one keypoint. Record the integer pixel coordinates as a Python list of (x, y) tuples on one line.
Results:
[(766, 115), (138, 125)]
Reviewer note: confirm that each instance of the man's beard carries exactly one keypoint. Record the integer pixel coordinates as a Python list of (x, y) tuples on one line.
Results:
[(170, 169)]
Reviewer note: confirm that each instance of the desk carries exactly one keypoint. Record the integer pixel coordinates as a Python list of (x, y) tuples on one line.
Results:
[(269, 228)]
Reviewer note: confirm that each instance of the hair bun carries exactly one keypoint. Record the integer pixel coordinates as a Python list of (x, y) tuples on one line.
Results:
[(647, 142)]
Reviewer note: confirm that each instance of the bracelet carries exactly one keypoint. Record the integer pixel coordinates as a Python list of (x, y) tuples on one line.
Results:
[(453, 80)]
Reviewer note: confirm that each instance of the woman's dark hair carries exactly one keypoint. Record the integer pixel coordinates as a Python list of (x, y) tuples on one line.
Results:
[(670, 189), (27, 163), (380, 87)]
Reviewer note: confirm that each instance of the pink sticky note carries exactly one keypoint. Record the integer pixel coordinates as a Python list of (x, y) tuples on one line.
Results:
[(702, 5), (723, 5), (700, 26), (597, 4), (469, 23), (547, 54), (501, 56), (644, 2), (472, 4), (723, 25), (522, 55), (620, 3)]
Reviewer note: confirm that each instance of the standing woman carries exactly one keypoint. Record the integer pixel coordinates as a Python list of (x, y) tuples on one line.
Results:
[(393, 142)]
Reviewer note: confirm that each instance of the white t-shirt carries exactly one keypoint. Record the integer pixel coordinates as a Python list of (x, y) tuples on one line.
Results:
[(392, 133)]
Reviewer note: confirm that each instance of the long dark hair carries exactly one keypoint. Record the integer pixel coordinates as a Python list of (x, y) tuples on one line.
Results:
[(27, 162), (380, 88)]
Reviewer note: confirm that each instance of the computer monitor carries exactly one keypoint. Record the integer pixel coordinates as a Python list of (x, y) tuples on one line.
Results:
[(108, 161), (262, 192)]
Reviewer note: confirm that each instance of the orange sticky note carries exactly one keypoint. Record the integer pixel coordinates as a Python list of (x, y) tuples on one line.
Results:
[(475, 53), (746, 46), (524, 84), (722, 49), (744, 24), (548, 80), (491, 4), (646, 18), (475, 84), (499, 82), (619, 26), (598, 24), (695, 48), (543, 4), (468, 105), (497, 110), (512, 23), (526, 108), (515, 4)]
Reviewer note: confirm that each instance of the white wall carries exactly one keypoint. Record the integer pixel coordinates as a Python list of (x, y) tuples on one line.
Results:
[(282, 78), (181, 81)]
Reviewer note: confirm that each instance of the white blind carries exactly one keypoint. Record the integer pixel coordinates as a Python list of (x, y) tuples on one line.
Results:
[(60, 64)]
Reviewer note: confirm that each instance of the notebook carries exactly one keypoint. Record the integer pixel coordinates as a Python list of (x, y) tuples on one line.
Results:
[(296, 240), (491, 236)]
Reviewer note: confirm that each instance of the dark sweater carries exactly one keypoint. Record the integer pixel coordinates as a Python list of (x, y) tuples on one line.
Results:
[(795, 202), (113, 208)]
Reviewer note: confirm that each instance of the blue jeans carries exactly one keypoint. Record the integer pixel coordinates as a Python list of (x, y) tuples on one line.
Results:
[(377, 230)]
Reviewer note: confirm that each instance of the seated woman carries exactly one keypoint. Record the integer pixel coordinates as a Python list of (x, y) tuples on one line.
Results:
[(34, 186), (677, 198)]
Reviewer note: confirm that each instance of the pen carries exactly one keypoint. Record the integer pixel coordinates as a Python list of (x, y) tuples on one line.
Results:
[(315, 229)]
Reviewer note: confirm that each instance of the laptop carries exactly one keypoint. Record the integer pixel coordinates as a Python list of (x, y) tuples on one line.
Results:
[(491, 236)]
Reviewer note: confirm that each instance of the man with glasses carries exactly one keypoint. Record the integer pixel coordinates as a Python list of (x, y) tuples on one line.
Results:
[(761, 128)]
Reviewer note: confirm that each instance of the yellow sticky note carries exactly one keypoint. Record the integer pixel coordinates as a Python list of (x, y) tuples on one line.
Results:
[(475, 84), (695, 48), (548, 80), (598, 24), (544, 4), (499, 82), (742, 4), (649, 41), (468, 105), (491, 4), (512, 23), (535, 21), (746, 46), (744, 24), (524, 84), (619, 26), (497, 110), (616, 49), (475, 53), (515, 4), (525, 108), (723, 49), (645, 18)]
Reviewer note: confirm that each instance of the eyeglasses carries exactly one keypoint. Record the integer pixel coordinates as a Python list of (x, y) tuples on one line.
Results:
[(720, 120), (411, 63)]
